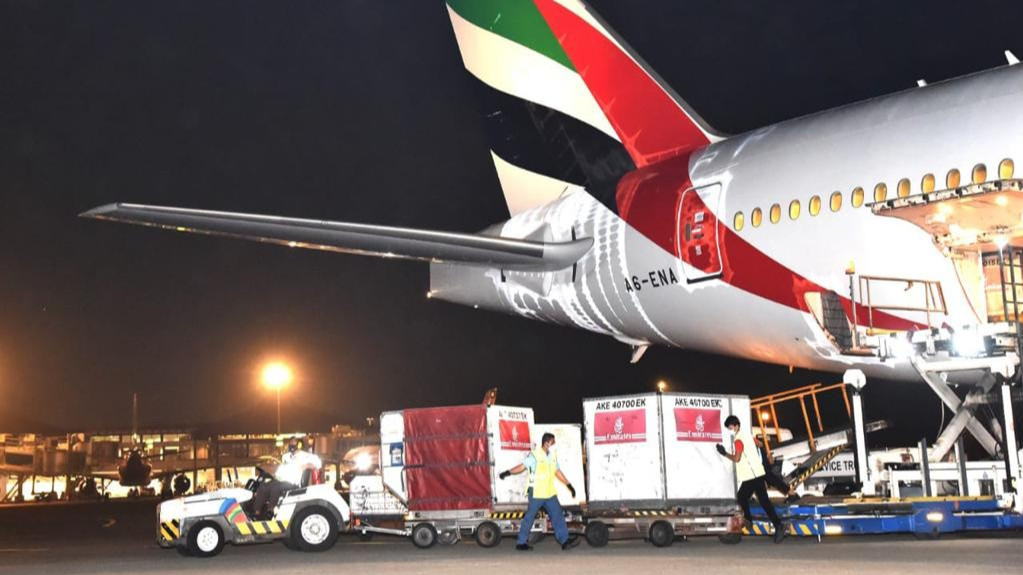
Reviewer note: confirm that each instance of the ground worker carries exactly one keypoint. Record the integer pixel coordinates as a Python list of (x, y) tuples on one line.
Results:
[(750, 471), (772, 478), (542, 465), (287, 476)]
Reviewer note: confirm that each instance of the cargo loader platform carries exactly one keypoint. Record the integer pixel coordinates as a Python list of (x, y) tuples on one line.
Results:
[(926, 518)]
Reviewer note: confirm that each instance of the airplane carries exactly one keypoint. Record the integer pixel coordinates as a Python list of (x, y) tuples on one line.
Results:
[(134, 470), (863, 237)]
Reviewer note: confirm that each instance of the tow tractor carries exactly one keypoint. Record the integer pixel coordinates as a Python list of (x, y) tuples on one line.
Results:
[(308, 518)]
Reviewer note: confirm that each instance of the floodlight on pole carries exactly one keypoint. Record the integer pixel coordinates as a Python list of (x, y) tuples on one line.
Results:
[(277, 375)]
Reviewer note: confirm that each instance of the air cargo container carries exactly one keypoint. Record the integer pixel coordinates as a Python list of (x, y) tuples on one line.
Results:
[(654, 471), (441, 466)]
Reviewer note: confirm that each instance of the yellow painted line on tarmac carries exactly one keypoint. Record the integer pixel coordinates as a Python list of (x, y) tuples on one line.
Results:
[(109, 523)]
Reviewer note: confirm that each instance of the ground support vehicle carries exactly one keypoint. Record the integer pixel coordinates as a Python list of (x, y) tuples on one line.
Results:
[(926, 518), (653, 469), (308, 518)]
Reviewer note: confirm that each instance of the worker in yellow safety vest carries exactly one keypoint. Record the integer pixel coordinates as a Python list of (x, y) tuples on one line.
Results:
[(749, 470), (542, 465)]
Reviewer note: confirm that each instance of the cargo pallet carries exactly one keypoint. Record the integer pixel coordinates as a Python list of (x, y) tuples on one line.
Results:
[(660, 527), (925, 518)]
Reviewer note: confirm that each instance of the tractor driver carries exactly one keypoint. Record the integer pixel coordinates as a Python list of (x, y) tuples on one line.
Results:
[(287, 476)]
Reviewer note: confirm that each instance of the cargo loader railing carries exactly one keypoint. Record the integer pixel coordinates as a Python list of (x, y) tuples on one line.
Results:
[(765, 408), (934, 299)]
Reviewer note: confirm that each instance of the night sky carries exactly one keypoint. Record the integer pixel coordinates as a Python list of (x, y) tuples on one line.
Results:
[(354, 110)]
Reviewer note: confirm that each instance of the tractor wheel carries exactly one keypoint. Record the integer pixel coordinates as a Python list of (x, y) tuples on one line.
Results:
[(313, 529), (205, 539)]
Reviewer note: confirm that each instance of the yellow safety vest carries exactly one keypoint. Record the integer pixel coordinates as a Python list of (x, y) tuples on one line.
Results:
[(749, 465), (541, 480)]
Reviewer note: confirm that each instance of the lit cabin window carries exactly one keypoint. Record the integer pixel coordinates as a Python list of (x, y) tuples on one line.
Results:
[(927, 184), (880, 193), (836, 201), (740, 220), (815, 205), (857, 197), (775, 213), (952, 179), (1005, 169), (756, 217), (979, 174), (794, 210), (903, 188)]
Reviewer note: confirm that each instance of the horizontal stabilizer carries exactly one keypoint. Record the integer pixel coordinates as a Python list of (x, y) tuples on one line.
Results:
[(363, 239)]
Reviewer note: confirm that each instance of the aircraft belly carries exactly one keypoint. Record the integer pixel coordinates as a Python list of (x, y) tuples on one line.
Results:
[(632, 289)]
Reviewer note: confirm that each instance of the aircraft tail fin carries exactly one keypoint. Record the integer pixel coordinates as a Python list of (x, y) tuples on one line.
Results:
[(566, 101)]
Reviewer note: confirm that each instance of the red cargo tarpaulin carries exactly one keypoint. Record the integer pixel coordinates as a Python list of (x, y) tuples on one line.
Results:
[(447, 464)]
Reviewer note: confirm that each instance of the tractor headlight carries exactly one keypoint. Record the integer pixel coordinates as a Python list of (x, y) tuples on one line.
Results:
[(363, 462)]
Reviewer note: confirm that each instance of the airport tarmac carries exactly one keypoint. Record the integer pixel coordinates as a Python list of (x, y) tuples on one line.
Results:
[(118, 537)]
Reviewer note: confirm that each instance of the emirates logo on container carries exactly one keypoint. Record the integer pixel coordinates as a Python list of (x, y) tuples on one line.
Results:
[(693, 424), (619, 427), (514, 435)]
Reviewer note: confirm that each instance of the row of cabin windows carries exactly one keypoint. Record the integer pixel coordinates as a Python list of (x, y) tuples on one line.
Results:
[(903, 189)]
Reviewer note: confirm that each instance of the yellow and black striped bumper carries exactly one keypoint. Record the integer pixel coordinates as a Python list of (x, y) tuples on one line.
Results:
[(262, 527), (650, 513), (507, 515), (170, 530), (809, 528)]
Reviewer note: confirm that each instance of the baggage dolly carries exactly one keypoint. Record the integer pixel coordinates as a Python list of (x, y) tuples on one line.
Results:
[(661, 527), (448, 527)]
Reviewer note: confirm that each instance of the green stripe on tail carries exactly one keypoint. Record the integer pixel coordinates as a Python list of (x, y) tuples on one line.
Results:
[(515, 20)]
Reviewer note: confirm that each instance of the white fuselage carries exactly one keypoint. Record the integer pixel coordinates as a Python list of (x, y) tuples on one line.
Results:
[(931, 130)]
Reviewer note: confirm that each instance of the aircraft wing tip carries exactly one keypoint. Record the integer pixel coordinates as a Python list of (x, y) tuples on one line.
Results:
[(100, 212)]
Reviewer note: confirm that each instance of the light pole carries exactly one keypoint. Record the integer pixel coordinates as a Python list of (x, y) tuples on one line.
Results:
[(662, 386), (275, 376)]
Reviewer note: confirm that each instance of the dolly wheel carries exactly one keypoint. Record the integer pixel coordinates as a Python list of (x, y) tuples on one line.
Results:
[(488, 534), (424, 536), (662, 534), (730, 538), (597, 534)]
